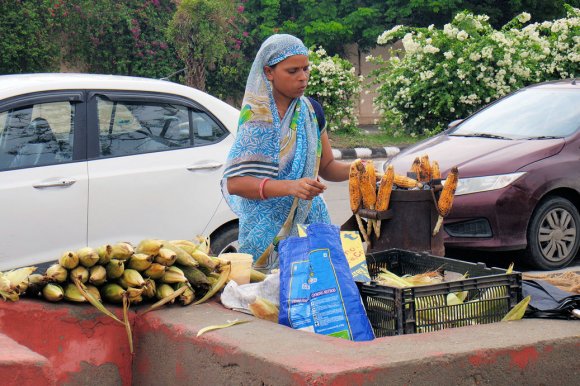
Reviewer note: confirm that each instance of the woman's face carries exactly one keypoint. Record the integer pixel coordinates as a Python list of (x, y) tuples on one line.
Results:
[(289, 77)]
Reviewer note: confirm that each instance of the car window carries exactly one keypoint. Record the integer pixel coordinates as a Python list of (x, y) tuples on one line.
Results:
[(526, 114), (205, 129), (128, 127), (36, 135)]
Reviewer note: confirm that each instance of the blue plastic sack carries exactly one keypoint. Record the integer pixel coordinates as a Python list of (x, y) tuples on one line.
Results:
[(317, 291)]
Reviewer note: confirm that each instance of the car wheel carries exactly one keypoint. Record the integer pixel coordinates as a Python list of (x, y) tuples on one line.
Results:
[(225, 240), (553, 234)]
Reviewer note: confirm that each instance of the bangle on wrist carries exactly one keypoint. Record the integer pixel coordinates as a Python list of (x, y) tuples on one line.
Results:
[(261, 190)]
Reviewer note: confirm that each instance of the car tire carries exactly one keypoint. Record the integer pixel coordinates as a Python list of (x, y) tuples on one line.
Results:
[(225, 240), (553, 234)]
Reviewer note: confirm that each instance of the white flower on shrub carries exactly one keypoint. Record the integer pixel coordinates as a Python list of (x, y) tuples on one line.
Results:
[(426, 75), (474, 56), (450, 31), (524, 17), (475, 70), (462, 35), (387, 36), (429, 49), (409, 44)]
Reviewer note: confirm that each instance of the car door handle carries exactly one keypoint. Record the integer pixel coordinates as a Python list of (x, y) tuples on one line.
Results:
[(207, 165), (55, 183)]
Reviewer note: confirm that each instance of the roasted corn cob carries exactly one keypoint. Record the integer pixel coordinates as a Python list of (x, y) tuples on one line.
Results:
[(370, 169), (367, 188), (446, 198), (354, 187), (368, 192), (424, 169), (355, 195), (435, 172), (406, 182), (384, 194), (416, 167)]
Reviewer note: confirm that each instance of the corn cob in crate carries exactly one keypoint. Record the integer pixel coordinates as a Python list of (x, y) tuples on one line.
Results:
[(446, 198)]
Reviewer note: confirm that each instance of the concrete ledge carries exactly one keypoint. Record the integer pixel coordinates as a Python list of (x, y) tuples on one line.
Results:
[(524, 352), (83, 346), (21, 366)]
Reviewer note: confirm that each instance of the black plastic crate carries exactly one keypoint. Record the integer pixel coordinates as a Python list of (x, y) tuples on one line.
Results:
[(397, 311)]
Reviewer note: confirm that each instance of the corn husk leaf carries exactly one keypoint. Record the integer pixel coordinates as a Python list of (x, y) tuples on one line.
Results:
[(220, 326), (165, 300), (126, 304), (91, 299), (223, 278), (518, 311)]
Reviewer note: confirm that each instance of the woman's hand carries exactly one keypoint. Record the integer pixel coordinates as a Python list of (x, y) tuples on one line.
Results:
[(306, 188)]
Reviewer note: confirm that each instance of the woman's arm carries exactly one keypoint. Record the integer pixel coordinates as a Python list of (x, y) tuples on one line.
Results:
[(331, 169), (249, 187)]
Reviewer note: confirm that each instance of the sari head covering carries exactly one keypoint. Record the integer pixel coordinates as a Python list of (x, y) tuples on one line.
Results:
[(269, 147)]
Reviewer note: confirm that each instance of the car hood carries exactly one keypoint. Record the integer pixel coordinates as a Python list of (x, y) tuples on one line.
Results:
[(478, 156)]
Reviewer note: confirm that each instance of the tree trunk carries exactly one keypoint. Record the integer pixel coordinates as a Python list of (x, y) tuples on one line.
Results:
[(195, 74)]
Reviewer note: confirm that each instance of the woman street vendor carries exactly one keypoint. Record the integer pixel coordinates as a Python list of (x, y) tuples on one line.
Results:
[(271, 176)]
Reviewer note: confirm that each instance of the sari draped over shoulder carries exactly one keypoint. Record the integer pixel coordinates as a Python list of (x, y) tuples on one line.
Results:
[(269, 147)]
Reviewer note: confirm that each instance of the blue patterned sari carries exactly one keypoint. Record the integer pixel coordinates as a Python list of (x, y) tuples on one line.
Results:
[(267, 147)]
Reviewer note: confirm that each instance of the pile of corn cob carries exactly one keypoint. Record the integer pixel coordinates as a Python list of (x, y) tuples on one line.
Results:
[(155, 270), (364, 193)]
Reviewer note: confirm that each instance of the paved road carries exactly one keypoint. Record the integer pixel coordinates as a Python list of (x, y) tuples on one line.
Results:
[(336, 197)]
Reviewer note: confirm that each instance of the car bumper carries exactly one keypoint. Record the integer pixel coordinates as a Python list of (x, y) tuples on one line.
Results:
[(494, 220)]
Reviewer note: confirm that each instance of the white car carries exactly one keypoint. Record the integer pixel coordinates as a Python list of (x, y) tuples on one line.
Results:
[(87, 160)]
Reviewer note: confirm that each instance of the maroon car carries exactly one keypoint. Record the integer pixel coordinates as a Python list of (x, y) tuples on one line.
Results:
[(519, 174)]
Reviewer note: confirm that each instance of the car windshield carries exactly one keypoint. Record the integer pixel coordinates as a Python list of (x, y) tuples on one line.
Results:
[(530, 114)]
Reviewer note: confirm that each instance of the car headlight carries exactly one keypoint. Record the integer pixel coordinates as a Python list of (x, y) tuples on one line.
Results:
[(483, 184)]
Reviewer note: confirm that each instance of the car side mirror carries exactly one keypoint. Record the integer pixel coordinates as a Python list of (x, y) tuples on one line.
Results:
[(454, 123)]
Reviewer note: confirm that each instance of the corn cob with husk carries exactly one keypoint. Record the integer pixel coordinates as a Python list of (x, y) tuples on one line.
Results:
[(384, 194), (356, 196), (406, 182), (446, 198), (14, 283), (263, 309), (424, 169)]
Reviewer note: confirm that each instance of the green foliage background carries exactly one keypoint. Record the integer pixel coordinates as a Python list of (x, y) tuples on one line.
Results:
[(129, 37)]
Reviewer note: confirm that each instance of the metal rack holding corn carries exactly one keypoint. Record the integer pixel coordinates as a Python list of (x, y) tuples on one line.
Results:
[(365, 195), (158, 271)]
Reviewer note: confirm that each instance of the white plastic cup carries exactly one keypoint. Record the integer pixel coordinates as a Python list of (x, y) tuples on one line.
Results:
[(241, 266)]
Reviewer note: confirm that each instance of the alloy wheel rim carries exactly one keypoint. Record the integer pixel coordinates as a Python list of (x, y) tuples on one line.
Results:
[(557, 235)]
